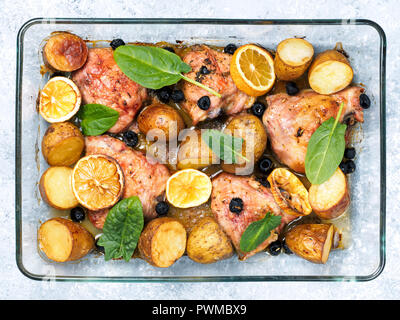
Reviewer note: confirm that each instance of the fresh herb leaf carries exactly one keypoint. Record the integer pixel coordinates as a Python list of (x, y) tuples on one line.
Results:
[(225, 146), (97, 118), (122, 229), (325, 150), (257, 232), (153, 67)]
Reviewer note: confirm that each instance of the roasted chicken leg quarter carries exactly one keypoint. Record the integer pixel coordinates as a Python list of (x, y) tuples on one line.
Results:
[(291, 120), (257, 202), (101, 81)]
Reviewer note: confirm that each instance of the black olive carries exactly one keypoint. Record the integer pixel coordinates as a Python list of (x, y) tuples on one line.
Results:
[(347, 166), (131, 138), (275, 248), (285, 248), (230, 48), (77, 214), (57, 74), (236, 205), (116, 43), (258, 109), (162, 208), (98, 247), (204, 103), (264, 182), (170, 49), (163, 94), (265, 165), (204, 70), (350, 153), (365, 102), (291, 88), (177, 96)]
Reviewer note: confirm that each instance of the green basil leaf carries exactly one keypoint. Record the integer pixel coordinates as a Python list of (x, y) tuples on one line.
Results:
[(151, 67), (325, 150), (122, 229), (97, 118), (257, 232), (225, 146)]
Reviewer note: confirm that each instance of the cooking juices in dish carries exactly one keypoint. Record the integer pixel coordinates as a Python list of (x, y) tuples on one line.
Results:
[(210, 152)]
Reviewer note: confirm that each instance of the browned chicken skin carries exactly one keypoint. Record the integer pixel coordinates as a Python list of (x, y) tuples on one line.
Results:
[(291, 120), (218, 79), (257, 201), (101, 81), (144, 177)]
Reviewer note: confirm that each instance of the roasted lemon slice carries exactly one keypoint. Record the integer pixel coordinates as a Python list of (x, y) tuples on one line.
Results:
[(59, 100), (97, 182), (252, 70), (188, 188), (289, 192)]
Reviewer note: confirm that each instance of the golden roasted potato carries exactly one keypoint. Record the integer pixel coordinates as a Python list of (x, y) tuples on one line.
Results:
[(330, 72), (251, 129), (162, 242), (64, 240), (65, 52), (56, 189), (189, 217), (312, 242), (330, 199), (207, 243), (194, 153), (293, 57), (62, 144), (162, 117)]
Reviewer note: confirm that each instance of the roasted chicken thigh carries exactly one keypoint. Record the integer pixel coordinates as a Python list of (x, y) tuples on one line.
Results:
[(291, 120)]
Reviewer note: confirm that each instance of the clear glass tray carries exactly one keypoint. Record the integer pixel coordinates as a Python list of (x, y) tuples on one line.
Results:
[(363, 40)]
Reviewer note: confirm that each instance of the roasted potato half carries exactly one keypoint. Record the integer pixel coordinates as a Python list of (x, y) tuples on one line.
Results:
[(62, 144), (252, 131), (65, 52), (207, 243), (194, 153), (293, 57), (330, 72), (330, 199), (63, 240), (162, 242), (161, 117), (312, 242), (190, 217), (56, 189)]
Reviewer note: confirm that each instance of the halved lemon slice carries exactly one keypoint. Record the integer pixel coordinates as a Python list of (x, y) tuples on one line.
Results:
[(252, 70), (59, 100), (188, 188), (97, 182)]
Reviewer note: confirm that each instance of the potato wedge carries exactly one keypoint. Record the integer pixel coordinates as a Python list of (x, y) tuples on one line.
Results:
[(330, 72), (252, 131), (62, 144), (161, 117), (330, 199), (56, 189), (63, 240), (162, 242), (207, 243), (312, 242), (65, 52), (293, 57)]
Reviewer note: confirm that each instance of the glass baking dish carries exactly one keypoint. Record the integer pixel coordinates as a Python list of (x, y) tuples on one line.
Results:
[(364, 258)]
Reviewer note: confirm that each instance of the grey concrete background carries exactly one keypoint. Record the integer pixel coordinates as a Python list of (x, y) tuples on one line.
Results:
[(13, 285)]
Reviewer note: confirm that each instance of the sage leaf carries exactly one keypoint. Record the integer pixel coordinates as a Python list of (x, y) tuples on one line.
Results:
[(325, 150), (258, 231), (97, 118), (153, 67), (122, 229), (225, 146)]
